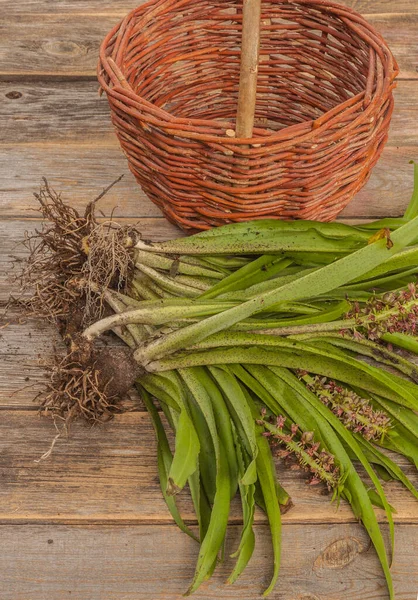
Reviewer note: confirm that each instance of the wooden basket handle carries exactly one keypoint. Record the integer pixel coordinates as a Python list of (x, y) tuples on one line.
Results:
[(250, 52)]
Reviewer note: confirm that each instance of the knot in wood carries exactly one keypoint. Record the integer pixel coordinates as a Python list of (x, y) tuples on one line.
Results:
[(339, 554)]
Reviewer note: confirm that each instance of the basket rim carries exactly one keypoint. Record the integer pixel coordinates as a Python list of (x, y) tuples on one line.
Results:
[(114, 83)]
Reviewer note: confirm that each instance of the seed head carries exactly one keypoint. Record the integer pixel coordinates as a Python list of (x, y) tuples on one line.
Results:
[(394, 312), (356, 413), (290, 442)]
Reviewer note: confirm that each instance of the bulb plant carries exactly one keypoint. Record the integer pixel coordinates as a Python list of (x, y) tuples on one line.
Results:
[(245, 341)]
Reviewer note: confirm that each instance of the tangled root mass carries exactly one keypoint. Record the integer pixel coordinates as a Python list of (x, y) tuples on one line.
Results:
[(89, 383), (72, 260)]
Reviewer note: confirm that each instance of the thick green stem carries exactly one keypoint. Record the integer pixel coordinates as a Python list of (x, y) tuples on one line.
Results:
[(155, 313), (319, 282), (343, 324), (156, 261)]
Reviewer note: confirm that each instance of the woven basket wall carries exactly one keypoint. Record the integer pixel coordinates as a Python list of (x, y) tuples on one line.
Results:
[(171, 69)]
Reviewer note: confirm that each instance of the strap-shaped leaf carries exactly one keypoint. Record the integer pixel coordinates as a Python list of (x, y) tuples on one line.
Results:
[(165, 459), (242, 416), (215, 535), (356, 487)]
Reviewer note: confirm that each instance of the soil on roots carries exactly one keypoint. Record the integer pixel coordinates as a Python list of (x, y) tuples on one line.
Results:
[(73, 260), (89, 382)]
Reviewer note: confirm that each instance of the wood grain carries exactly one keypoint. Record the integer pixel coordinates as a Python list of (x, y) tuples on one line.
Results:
[(81, 172), (112, 7), (121, 7), (62, 125), (72, 112), (109, 473), (54, 111), (143, 563), (90, 523), (67, 44)]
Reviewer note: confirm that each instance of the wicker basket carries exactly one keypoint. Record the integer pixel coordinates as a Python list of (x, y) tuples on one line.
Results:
[(171, 71)]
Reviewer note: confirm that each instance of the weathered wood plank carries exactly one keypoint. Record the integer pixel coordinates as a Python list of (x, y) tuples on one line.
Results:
[(52, 44), (121, 7), (109, 473), (55, 111), (112, 7), (81, 172), (62, 44), (139, 563), (72, 112)]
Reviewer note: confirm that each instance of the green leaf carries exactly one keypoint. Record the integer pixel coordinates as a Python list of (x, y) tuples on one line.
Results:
[(187, 448), (215, 534), (164, 462), (207, 466), (155, 386), (407, 342), (356, 487), (406, 417), (260, 269), (412, 208), (266, 473), (247, 542), (366, 347), (308, 237), (187, 445), (223, 422), (241, 415)]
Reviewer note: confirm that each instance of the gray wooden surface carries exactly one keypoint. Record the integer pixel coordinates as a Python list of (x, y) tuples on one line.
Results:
[(90, 523)]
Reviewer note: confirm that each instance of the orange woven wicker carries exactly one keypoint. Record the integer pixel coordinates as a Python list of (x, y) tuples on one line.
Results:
[(324, 102)]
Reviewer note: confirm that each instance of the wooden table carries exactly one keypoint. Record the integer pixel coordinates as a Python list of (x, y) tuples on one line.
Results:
[(89, 523)]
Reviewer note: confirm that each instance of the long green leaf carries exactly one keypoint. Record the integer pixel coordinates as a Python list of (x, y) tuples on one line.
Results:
[(187, 445), (266, 473), (368, 516), (215, 534), (187, 448), (242, 415), (318, 282), (223, 422), (164, 462), (260, 269), (247, 542)]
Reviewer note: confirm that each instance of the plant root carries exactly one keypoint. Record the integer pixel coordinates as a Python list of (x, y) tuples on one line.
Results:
[(72, 259), (88, 383)]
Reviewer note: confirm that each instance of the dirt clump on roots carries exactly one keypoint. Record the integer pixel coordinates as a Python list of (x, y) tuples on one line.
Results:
[(73, 259), (89, 383)]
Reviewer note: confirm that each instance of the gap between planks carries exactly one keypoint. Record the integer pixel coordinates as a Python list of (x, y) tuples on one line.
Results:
[(166, 521), (122, 7)]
